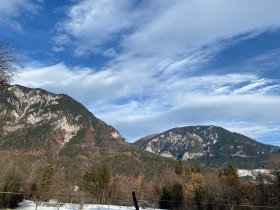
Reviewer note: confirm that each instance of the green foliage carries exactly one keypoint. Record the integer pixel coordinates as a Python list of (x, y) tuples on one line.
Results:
[(27, 139), (172, 198), (135, 161), (48, 173), (230, 170), (179, 168), (73, 151), (260, 182), (96, 178), (200, 196), (276, 185), (165, 199), (177, 195), (188, 171)]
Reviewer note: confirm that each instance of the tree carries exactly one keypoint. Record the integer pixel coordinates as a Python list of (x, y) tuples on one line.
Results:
[(179, 168), (48, 173), (230, 170), (188, 172), (172, 197), (12, 183), (196, 181), (273, 162), (9, 64), (276, 186), (97, 179)]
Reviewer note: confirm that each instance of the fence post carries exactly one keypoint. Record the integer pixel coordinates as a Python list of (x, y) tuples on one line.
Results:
[(135, 201)]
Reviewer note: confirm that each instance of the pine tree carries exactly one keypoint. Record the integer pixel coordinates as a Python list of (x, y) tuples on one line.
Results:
[(96, 180), (230, 170), (188, 172), (179, 168), (48, 173)]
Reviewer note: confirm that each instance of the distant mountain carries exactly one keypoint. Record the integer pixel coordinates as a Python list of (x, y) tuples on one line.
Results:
[(37, 120), (211, 145)]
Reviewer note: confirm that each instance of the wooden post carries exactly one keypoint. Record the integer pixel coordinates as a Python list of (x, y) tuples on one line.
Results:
[(135, 201)]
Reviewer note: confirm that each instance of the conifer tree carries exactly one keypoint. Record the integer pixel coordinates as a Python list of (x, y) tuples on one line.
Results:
[(48, 173), (179, 168)]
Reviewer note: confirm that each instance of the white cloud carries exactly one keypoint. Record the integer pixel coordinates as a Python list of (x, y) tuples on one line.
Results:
[(251, 115), (84, 84), (142, 104), (92, 23), (166, 28), (186, 25), (11, 9), (250, 87)]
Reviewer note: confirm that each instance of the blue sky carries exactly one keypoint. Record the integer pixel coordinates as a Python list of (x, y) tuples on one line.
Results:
[(148, 66)]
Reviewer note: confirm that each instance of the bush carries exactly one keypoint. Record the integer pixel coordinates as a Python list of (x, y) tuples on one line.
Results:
[(12, 183)]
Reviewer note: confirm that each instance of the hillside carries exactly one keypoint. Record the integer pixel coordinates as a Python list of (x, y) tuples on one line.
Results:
[(34, 121), (211, 145), (43, 125), (39, 120)]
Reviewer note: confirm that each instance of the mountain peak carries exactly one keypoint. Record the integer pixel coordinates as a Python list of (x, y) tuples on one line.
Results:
[(36, 118)]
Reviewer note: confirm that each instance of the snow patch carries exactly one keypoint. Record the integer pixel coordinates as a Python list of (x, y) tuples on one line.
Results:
[(30, 205), (252, 173)]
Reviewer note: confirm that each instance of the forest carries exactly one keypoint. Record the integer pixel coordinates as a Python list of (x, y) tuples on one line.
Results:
[(182, 186)]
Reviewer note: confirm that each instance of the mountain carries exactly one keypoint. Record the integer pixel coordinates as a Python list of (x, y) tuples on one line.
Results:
[(38, 126), (44, 124), (211, 145), (37, 120)]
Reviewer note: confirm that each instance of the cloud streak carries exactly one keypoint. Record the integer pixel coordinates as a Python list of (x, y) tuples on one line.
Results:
[(11, 9), (190, 24)]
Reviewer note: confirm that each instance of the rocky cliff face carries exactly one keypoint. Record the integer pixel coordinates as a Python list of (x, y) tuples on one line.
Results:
[(40, 120), (208, 144)]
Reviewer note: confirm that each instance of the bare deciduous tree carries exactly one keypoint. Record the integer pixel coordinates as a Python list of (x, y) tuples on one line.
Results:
[(10, 64)]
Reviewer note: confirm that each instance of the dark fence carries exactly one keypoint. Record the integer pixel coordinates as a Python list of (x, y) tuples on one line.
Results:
[(64, 202)]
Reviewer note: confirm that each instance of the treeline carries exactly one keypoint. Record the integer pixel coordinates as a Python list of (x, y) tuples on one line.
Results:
[(220, 189), (184, 186)]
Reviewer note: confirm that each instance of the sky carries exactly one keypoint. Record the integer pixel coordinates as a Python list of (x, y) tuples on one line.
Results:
[(148, 66)]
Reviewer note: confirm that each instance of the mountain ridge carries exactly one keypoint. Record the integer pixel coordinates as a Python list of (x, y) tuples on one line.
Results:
[(30, 114), (208, 144), (58, 125)]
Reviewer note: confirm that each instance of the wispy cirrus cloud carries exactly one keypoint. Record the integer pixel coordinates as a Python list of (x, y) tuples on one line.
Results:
[(164, 27), (11, 9), (186, 25)]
